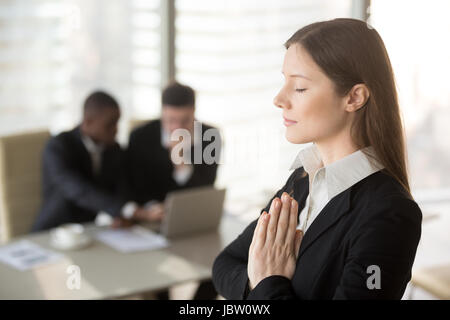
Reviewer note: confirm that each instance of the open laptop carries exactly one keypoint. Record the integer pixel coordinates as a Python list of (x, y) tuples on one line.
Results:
[(192, 211)]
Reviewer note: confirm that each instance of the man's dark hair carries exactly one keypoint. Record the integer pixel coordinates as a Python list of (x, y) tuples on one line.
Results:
[(178, 95), (98, 101)]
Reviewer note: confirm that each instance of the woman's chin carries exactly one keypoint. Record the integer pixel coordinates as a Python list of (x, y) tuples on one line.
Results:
[(295, 138)]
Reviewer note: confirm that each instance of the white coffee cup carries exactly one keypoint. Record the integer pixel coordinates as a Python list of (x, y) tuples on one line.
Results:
[(68, 234)]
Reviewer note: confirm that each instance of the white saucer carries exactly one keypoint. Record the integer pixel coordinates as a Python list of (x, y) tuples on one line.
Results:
[(79, 244)]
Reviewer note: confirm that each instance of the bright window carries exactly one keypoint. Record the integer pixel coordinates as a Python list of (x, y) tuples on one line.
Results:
[(416, 33), (54, 53), (231, 52)]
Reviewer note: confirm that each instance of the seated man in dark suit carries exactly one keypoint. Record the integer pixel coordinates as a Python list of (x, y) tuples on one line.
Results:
[(153, 169), (153, 157), (81, 171)]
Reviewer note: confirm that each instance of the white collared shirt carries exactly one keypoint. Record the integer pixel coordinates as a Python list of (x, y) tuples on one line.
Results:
[(327, 182), (95, 152), (182, 175)]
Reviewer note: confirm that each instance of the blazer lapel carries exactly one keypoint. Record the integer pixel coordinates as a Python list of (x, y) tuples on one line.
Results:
[(329, 215)]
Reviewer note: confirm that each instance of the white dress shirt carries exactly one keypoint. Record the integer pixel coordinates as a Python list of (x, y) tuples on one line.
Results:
[(95, 151), (327, 182), (183, 174)]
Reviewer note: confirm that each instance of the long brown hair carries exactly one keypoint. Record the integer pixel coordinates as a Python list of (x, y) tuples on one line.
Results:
[(350, 52)]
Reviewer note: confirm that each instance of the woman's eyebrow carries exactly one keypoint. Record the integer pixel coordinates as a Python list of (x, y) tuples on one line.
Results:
[(297, 75)]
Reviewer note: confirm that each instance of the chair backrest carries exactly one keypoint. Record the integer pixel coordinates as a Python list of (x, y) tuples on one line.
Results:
[(20, 181)]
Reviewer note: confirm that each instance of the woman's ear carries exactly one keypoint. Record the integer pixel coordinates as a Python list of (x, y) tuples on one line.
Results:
[(356, 97)]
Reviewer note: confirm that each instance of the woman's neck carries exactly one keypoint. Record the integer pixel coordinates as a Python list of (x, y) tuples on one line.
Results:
[(336, 148)]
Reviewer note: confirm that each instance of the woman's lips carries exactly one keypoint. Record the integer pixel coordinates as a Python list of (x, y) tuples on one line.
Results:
[(289, 122)]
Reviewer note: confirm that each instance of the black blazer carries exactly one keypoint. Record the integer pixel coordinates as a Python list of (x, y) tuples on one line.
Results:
[(71, 192), (372, 223), (150, 167)]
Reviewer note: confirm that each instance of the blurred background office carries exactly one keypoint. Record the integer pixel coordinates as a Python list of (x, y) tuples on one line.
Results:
[(53, 53)]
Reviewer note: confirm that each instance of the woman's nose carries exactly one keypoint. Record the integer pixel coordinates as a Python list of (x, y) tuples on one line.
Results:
[(278, 101)]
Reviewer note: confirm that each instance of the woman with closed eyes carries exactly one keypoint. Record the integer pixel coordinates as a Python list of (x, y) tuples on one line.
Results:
[(344, 226)]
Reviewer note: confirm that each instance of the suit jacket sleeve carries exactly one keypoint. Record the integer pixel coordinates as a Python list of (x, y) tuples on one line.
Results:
[(387, 239), (230, 267), (75, 187)]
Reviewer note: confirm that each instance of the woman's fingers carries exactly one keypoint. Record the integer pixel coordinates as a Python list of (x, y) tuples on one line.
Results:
[(259, 235), (292, 221), (255, 232), (274, 213), (283, 220), (282, 224)]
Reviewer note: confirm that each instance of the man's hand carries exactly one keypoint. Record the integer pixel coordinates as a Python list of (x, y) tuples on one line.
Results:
[(152, 214), (276, 242), (121, 223)]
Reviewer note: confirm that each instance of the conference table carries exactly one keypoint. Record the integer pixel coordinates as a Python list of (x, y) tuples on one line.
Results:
[(109, 274)]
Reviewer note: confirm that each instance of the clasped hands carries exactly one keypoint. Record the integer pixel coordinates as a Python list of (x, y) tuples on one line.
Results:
[(153, 213), (276, 242)]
